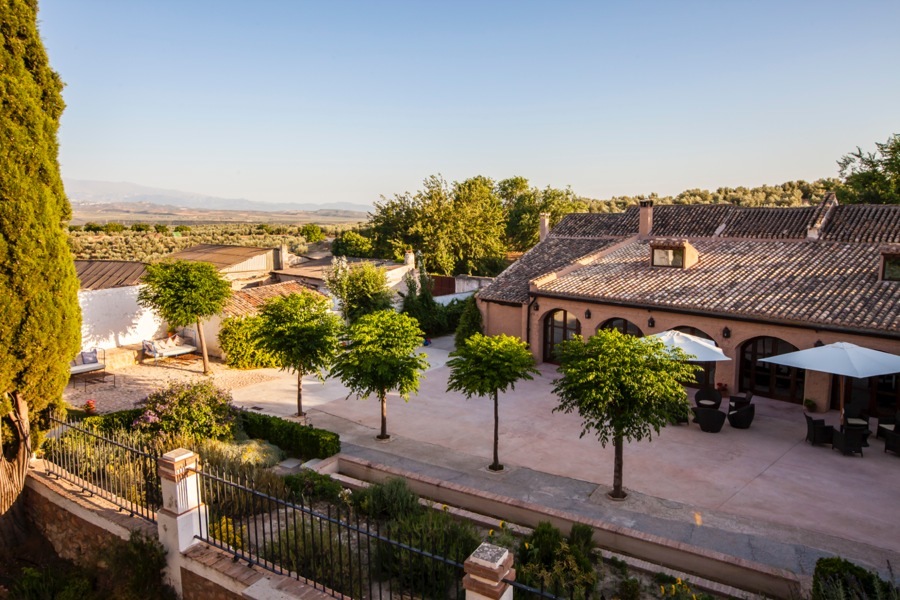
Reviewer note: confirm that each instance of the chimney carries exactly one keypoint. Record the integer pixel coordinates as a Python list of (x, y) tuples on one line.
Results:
[(409, 258), (544, 227), (645, 219)]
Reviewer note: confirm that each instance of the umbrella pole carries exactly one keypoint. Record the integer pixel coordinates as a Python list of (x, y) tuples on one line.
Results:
[(843, 378)]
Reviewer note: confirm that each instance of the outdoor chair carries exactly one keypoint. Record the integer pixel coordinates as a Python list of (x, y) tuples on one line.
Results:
[(849, 441), (741, 418), (886, 424), (709, 419), (892, 442), (740, 400), (817, 432), (708, 398), (854, 415)]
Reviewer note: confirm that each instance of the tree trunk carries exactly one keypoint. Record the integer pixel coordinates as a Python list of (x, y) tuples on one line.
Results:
[(13, 472), (384, 434), (300, 412), (617, 491), (202, 339), (496, 466)]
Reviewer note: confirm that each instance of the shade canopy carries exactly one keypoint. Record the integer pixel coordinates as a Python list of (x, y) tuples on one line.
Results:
[(840, 358), (702, 350)]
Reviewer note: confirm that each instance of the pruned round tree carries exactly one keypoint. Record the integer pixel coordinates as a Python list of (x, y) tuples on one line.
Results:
[(40, 320), (302, 334), (380, 357), (624, 388), (487, 365), (183, 293)]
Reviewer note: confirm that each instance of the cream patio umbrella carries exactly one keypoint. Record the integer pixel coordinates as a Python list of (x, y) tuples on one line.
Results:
[(840, 358), (701, 350)]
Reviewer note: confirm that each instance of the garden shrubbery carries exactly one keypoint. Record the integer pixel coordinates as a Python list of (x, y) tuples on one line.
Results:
[(238, 339), (545, 560), (435, 319), (838, 579), (295, 439), (197, 410)]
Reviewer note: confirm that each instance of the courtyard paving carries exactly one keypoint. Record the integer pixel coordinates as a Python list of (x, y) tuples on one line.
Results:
[(761, 493)]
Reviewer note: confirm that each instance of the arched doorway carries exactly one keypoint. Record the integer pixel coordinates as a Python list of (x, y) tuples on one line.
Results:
[(559, 326), (773, 381), (707, 377), (622, 326)]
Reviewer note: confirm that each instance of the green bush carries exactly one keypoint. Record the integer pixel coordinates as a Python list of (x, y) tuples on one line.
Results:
[(228, 455), (49, 584), (629, 589), (469, 321), (115, 421), (432, 531), (547, 561), (138, 566), (238, 338), (389, 501), (838, 579), (197, 410), (315, 550), (113, 227), (297, 440), (311, 486)]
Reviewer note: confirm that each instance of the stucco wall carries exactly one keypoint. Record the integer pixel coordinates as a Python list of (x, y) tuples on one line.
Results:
[(113, 317)]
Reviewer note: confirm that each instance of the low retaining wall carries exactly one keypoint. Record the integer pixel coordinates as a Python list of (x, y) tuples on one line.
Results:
[(708, 564)]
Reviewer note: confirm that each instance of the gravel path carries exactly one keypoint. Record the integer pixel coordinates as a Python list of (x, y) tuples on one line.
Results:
[(133, 384)]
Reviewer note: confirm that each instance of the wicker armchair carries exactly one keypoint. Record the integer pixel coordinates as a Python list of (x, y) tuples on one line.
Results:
[(892, 442), (708, 398), (740, 400), (886, 424), (709, 419), (817, 432), (740, 418), (849, 441)]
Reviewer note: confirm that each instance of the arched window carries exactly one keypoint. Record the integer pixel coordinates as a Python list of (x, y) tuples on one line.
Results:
[(622, 326), (707, 377), (766, 379), (558, 327)]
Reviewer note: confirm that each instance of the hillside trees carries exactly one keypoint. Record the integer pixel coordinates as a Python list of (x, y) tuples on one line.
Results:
[(40, 321), (185, 292), (871, 177)]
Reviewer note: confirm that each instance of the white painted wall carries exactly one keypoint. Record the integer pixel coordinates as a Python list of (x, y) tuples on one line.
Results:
[(113, 317)]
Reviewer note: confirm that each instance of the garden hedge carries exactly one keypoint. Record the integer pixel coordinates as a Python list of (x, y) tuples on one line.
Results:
[(297, 440)]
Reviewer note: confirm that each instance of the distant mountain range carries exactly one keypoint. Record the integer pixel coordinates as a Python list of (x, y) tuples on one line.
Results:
[(119, 192)]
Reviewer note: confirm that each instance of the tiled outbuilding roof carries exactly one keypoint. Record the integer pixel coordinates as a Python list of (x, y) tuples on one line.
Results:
[(871, 223), (811, 282), (770, 223), (106, 274), (551, 254), (222, 256), (247, 301)]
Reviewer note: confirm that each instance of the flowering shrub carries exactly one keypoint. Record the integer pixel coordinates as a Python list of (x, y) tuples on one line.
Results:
[(90, 407), (198, 410)]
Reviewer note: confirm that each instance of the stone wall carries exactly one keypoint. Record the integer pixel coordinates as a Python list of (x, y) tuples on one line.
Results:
[(195, 587), (77, 525)]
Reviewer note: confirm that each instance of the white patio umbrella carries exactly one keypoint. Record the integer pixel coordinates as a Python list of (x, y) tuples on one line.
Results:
[(701, 349), (840, 358)]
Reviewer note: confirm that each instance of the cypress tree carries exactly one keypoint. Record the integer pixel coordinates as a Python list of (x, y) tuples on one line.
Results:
[(40, 321)]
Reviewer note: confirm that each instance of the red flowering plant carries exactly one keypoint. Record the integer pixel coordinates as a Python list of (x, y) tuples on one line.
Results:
[(90, 407)]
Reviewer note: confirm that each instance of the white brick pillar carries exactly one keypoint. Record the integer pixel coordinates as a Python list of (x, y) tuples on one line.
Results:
[(178, 520), (486, 569)]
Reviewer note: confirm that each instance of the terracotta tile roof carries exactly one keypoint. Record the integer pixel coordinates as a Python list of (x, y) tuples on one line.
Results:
[(689, 220), (551, 254), (220, 255), (594, 225), (863, 223), (807, 282), (106, 274), (247, 301), (771, 223)]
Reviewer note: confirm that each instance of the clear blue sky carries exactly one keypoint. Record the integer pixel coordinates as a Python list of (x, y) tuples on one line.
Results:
[(284, 100)]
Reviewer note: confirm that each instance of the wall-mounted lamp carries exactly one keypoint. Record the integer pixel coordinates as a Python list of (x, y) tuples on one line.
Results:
[(726, 333), (651, 322), (819, 344), (587, 314), (536, 307)]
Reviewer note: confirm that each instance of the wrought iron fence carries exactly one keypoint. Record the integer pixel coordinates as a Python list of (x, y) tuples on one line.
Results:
[(337, 551), (109, 465)]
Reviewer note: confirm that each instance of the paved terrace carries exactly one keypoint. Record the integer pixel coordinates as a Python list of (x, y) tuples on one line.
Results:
[(762, 494)]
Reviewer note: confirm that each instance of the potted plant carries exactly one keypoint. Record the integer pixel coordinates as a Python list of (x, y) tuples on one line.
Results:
[(722, 388), (809, 404)]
